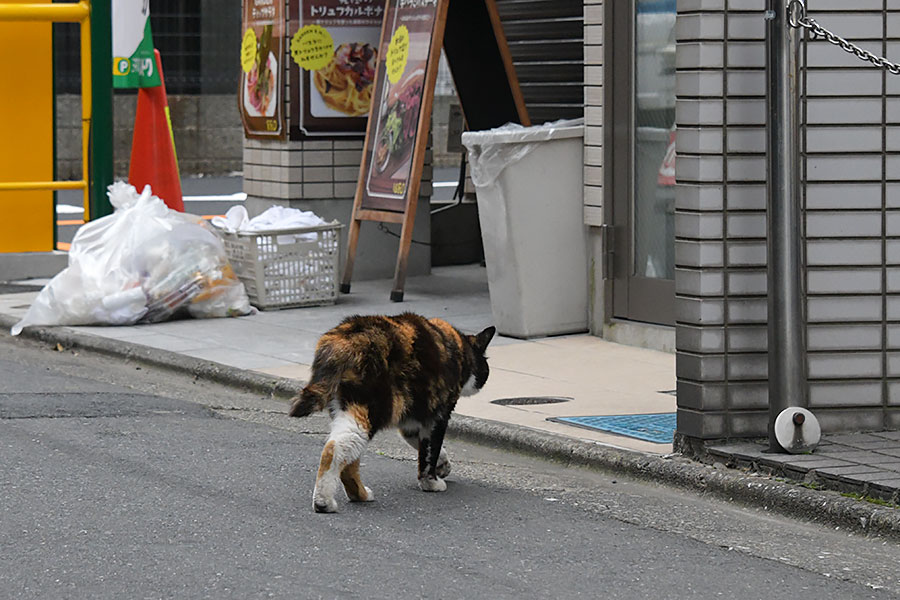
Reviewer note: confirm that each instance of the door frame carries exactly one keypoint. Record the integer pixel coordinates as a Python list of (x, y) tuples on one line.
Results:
[(631, 297)]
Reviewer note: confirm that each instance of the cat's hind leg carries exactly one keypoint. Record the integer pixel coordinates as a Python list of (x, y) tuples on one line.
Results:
[(415, 438), (353, 485), (349, 437)]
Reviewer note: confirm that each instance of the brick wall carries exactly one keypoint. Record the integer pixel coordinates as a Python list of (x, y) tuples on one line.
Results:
[(852, 220)]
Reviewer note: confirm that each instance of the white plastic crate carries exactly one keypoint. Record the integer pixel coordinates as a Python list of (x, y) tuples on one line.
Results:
[(289, 267)]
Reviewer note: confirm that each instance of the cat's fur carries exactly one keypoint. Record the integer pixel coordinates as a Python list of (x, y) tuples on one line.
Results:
[(374, 372)]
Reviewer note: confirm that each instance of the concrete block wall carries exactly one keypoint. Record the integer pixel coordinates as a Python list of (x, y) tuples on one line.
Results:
[(593, 112), (851, 162), (599, 290), (207, 130)]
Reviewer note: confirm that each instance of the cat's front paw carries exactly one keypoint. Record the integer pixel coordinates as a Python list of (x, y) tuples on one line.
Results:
[(427, 484), (321, 504)]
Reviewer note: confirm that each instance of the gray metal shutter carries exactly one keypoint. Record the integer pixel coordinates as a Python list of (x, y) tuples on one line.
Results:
[(546, 40)]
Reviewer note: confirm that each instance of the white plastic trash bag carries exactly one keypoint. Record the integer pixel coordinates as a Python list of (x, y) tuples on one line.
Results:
[(492, 150), (142, 263)]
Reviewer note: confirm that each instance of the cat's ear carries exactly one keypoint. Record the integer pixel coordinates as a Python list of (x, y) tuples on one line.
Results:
[(484, 338)]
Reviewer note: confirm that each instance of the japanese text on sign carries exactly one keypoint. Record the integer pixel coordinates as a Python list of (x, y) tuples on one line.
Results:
[(312, 47), (398, 54), (416, 3), (263, 9), (344, 12)]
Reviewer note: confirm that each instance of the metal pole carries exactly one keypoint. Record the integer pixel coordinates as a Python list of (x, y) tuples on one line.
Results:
[(786, 323), (101, 152)]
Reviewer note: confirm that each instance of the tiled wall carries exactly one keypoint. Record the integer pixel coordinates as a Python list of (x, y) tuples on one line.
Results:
[(308, 169), (852, 167), (593, 112)]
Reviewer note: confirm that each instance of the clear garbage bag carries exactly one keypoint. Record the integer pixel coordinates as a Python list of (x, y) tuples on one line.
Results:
[(143, 263)]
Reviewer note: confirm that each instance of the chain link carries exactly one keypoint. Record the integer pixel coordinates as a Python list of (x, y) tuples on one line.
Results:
[(797, 18)]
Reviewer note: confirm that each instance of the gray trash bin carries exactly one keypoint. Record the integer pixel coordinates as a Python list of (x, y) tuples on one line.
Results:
[(529, 185)]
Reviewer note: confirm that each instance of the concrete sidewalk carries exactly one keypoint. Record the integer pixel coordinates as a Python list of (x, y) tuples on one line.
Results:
[(599, 377)]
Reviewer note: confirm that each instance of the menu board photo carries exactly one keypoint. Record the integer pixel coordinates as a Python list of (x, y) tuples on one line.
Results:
[(260, 98), (334, 49), (401, 88)]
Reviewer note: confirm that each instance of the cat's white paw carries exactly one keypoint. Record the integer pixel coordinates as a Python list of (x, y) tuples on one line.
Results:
[(432, 485), (323, 504), (442, 469)]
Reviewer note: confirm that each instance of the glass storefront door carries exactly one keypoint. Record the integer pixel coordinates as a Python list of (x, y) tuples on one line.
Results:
[(643, 158)]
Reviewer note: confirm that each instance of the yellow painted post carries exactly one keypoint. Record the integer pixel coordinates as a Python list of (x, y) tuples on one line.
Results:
[(26, 120)]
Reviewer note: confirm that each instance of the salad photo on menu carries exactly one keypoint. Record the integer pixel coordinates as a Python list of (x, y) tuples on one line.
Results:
[(397, 130)]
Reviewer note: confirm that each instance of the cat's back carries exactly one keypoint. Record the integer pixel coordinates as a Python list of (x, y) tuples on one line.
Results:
[(395, 339), (371, 336)]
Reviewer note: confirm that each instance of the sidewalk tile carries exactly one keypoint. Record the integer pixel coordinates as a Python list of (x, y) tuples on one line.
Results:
[(858, 456), (851, 439)]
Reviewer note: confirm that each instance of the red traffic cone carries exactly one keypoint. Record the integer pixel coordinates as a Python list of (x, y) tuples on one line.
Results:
[(153, 159)]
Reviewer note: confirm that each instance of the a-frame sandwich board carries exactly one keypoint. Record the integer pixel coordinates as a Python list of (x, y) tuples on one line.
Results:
[(412, 34)]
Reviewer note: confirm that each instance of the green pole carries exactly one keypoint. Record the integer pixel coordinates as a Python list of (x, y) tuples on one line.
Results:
[(101, 144)]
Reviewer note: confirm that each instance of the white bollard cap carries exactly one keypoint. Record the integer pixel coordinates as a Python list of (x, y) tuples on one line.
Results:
[(797, 430)]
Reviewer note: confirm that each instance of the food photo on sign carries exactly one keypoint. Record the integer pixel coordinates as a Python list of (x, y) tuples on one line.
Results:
[(400, 91), (334, 47), (260, 83), (260, 99), (397, 128), (345, 84)]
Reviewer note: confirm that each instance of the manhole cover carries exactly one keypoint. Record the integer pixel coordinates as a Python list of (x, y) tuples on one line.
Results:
[(529, 400)]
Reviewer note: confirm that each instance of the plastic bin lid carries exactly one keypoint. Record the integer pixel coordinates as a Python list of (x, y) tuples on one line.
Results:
[(512, 133)]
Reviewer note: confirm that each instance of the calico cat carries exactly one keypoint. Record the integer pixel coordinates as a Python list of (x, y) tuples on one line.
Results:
[(374, 372)]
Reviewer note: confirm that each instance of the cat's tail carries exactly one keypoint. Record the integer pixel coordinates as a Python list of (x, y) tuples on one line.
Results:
[(313, 398)]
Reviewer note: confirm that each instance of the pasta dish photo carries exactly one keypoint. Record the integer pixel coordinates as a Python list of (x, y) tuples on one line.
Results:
[(346, 83)]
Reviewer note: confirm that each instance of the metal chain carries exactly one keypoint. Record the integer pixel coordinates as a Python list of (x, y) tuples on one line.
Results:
[(798, 18)]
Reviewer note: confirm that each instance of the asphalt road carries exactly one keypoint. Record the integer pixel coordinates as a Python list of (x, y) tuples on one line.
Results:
[(119, 481)]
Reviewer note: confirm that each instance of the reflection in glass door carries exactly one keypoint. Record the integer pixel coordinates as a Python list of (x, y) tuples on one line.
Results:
[(643, 106)]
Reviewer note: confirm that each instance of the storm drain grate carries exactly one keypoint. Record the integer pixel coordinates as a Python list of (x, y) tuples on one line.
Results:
[(530, 400), (658, 428)]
